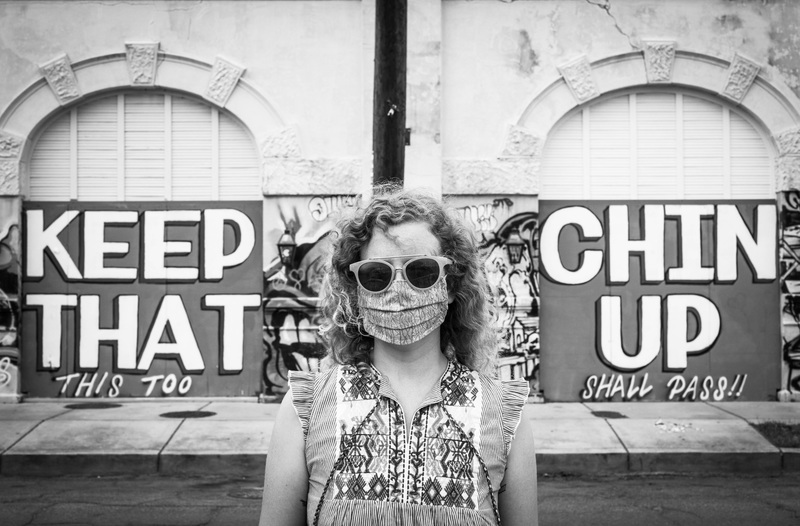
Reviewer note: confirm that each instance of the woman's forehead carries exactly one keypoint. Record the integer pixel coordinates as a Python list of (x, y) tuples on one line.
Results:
[(403, 239)]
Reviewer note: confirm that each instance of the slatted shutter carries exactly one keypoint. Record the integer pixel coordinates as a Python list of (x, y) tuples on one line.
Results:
[(656, 145), (144, 147)]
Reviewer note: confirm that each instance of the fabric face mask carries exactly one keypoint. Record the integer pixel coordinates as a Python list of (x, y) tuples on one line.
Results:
[(401, 314)]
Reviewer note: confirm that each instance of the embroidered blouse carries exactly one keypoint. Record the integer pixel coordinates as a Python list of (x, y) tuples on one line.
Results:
[(366, 469)]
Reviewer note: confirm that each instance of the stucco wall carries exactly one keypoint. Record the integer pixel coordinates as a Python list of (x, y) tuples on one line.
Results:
[(305, 58), (498, 56)]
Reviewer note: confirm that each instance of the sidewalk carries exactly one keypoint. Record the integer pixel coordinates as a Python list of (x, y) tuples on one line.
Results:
[(50, 438)]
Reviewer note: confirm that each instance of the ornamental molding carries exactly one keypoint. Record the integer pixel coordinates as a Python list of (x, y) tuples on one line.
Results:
[(520, 142), (10, 145), (659, 59), (142, 59), (61, 79), (283, 144), (9, 178), (224, 77), (284, 176), (788, 173), (579, 79), (504, 175), (741, 75), (788, 142)]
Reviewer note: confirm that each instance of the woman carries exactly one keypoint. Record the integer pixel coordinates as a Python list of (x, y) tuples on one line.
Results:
[(409, 426)]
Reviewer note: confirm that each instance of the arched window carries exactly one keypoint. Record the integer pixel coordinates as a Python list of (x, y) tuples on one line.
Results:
[(657, 145), (137, 146)]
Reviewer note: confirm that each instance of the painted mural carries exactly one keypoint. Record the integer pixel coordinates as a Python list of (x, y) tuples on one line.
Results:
[(515, 284), (291, 290), (9, 298), (141, 299), (291, 287), (790, 292), (661, 301)]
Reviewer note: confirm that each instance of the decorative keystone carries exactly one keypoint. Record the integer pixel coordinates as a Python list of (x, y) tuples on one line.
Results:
[(659, 58), (224, 76), (10, 146), (520, 142), (59, 75), (741, 74), (142, 60), (788, 142), (578, 75)]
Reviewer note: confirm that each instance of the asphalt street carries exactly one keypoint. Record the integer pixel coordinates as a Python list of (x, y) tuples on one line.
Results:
[(214, 500)]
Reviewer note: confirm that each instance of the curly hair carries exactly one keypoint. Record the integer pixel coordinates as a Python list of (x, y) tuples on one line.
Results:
[(467, 333)]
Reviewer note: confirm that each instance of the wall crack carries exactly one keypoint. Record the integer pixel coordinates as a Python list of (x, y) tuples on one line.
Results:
[(605, 5)]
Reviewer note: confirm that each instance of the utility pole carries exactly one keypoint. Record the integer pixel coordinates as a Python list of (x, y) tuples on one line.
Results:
[(389, 106)]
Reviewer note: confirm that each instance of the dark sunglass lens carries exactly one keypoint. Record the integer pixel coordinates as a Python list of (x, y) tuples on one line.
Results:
[(375, 276), (422, 273)]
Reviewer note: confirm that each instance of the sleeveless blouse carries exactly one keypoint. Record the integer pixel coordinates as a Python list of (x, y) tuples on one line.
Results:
[(369, 470)]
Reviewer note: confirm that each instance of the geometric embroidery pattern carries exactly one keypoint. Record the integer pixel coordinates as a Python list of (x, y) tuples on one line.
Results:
[(357, 386), (459, 387), (430, 465)]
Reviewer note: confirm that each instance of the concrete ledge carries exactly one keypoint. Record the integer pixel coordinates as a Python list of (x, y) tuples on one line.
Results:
[(77, 464), (581, 463), (244, 465), (791, 458), (705, 462)]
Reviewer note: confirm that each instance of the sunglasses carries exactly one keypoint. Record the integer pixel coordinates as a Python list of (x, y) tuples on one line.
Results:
[(421, 272)]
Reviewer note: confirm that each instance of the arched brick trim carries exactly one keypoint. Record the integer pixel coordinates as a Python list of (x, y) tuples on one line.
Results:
[(737, 81), (773, 105), (219, 84)]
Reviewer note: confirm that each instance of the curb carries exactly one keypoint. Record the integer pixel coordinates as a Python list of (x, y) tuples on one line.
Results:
[(252, 464)]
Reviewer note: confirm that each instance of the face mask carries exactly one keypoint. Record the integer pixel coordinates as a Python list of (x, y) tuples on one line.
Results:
[(401, 314)]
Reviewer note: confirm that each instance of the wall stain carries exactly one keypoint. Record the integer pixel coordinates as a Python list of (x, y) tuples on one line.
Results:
[(528, 59), (729, 22)]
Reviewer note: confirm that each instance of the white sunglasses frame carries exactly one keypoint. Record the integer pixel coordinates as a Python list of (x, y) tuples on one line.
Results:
[(441, 260)]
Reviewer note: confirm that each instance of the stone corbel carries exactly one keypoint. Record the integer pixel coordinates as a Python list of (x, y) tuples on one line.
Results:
[(59, 75), (9, 178), (659, 59), (520, 142), (787, 171), (224, 77), (10, 146), (299, 176), (510, 175), (10, 152), (142, 59), (787, 167), (283, 144), (741, 75), (579, 79), (788, 142)]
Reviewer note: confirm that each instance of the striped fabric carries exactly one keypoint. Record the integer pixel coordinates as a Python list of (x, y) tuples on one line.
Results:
[(365, 466)]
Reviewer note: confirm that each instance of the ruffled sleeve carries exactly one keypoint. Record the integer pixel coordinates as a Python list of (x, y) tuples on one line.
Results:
[(301, 389), (514, 396)]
